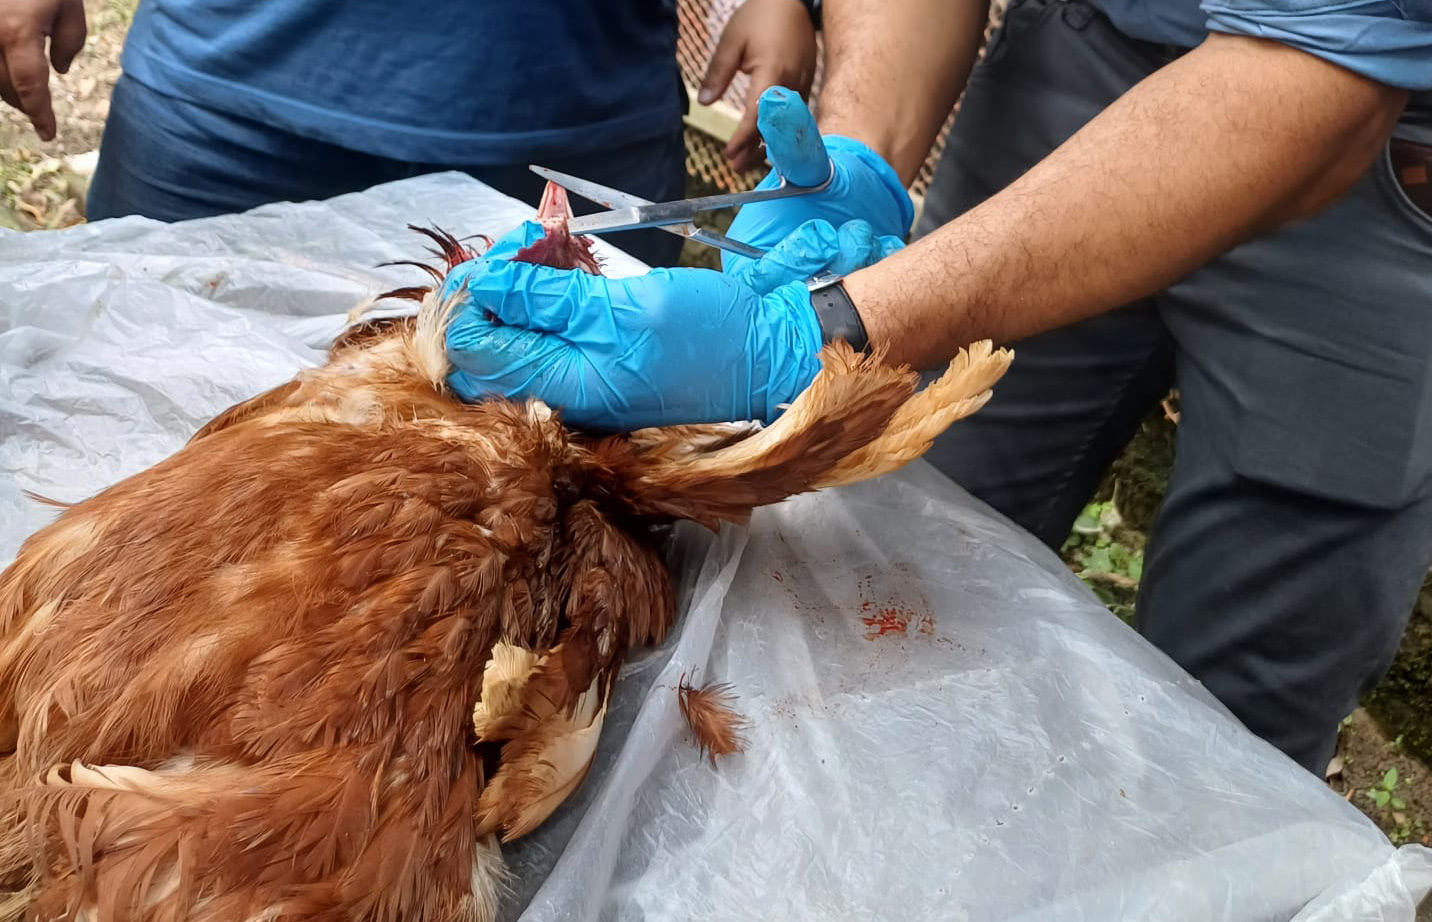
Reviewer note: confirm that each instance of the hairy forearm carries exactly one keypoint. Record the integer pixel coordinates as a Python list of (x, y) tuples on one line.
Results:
[(1232, 140), (894, 69)]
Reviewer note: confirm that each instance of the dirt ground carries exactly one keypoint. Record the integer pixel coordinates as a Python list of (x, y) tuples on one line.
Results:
[(38, 187), (42, 186)]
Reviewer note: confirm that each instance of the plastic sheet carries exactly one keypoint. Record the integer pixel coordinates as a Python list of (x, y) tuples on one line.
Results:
[(945, 724)]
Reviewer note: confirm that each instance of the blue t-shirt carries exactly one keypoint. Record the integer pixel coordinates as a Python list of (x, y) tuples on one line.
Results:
[(1386, 40), (449, 82)]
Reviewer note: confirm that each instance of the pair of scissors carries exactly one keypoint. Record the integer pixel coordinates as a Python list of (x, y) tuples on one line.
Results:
[(631, 212)]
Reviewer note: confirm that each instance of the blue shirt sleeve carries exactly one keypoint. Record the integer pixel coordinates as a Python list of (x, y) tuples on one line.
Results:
[(1389, 41)]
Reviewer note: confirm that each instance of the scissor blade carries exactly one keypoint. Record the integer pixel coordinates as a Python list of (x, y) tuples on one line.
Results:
[(662, 214), (596, 192), (618, 219), (628, 211), (621, 219)]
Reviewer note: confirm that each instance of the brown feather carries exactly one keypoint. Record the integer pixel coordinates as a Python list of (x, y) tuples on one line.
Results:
[(254, 406), (847, 405), (963, 389), (45, 500), (717, 726)]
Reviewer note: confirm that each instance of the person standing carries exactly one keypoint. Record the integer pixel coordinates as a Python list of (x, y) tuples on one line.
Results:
[(1227, 196), (226, 105)]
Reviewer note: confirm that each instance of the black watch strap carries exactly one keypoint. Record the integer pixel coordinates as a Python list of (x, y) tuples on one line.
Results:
[(838, 317), (813, 8)]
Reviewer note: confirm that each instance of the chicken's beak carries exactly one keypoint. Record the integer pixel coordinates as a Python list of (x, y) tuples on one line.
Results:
[(554, 206)]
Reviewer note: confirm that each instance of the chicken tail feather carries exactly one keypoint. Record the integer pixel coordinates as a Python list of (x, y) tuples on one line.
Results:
[(963, 389), (848, 404)]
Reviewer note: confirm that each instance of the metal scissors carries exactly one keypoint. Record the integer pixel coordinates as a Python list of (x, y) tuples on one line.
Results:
[(630, 212)]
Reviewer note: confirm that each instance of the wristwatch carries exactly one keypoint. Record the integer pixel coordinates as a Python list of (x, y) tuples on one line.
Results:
[(836, 313)]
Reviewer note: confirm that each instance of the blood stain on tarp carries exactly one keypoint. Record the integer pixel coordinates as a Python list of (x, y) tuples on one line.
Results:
[(886, 621), (926, 625)]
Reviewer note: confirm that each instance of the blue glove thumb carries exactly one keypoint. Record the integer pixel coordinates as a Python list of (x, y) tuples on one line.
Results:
[(793, 142), (862, 185)]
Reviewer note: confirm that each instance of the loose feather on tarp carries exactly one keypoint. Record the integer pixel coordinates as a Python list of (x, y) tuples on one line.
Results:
[(713, 720)]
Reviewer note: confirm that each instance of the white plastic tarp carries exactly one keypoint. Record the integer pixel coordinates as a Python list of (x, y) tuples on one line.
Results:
[(945, 725)]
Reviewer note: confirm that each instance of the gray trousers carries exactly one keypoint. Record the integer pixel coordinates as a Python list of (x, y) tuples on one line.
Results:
[(1297, 526)]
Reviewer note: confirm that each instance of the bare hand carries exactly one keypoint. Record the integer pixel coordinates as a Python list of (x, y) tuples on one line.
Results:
[(24, 72), (774, 42)]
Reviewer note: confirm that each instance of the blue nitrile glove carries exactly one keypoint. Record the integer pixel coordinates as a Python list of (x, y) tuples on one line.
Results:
[(669, 347), (814, 247), (863, 186)]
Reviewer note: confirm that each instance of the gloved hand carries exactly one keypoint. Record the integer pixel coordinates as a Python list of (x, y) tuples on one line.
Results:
[(669, 347), (812, 248), (863, 186)]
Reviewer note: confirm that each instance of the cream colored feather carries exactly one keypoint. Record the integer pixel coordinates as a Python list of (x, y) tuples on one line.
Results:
[(502, 681), (963, 389), (540, 769)]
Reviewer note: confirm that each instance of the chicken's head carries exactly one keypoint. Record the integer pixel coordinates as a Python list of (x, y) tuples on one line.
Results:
[(557, 247)]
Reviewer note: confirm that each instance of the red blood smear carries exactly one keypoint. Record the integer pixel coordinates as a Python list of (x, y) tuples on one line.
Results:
[(887, 621)]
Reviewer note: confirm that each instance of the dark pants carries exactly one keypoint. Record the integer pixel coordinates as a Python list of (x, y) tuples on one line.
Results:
[(1297, 525), (172, 160)]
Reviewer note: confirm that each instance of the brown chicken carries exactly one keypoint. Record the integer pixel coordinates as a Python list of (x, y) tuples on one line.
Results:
[(241, 684)]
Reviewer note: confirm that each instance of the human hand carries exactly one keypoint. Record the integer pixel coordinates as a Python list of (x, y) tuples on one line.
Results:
[(24, 73), (813, 248), (862, 185), (670, 347), (774, 42)]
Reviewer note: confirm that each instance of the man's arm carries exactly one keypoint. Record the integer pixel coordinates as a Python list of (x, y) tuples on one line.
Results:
[(1231, 140), (894, 70)]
